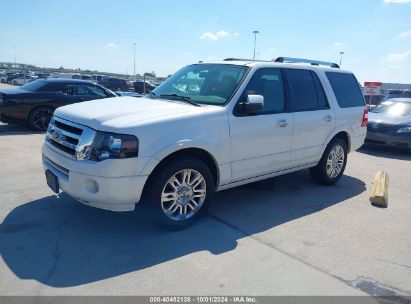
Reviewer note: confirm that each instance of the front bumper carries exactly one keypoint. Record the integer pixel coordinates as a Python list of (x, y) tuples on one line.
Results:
[(102, 185), (401, 141)]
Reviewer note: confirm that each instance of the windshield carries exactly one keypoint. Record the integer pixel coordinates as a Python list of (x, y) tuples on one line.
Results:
[(203, 83), (395, 108), (34, 85)]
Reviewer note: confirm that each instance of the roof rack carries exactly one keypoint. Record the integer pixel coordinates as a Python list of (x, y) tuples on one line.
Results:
[(242, 59), (301, 60)]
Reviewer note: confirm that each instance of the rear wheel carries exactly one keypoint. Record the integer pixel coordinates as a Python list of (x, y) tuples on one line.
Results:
[(180, 192), (332, 164), (39, 118)]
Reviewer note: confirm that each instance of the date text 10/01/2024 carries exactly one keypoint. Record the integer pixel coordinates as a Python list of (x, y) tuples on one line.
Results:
[(205, 299)]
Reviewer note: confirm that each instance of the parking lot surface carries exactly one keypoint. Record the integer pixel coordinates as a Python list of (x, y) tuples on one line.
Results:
[(284, 236)]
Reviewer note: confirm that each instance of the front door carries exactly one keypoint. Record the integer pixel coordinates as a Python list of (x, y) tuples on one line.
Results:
[(260, 144)]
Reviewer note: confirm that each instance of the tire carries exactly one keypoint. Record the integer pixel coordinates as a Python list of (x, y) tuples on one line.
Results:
[(3, 81), (184, 208), (39, 118), (336, 156), (14, 82)]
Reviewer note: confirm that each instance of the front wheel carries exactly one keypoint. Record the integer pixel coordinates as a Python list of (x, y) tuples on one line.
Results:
[(180, 192), (332, 164)]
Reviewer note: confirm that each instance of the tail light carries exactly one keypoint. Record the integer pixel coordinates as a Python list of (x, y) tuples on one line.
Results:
[(364, 118)]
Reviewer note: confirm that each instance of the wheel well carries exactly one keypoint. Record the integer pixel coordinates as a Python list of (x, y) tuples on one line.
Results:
[(201, 154), (40, 106), (345, 137)]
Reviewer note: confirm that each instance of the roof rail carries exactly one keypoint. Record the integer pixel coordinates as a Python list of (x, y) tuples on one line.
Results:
[(301, 60), (243, 59)]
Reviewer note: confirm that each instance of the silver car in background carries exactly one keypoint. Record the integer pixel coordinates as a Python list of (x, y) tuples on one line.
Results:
[(390, 123)]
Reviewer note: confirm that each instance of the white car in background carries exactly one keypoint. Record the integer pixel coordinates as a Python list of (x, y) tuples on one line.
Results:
[(209, 127), (3, 78), (23, 80)]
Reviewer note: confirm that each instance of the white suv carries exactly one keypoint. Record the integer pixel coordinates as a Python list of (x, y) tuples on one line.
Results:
[(207, 128)]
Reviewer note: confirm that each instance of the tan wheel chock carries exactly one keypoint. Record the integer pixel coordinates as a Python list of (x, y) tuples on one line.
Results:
[(379, 190)]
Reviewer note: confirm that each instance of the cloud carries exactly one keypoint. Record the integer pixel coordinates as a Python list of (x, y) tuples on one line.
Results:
[(397, 1), (398, 58), (405, 34), (236, 34), (338, 44), (111, 45), (215, 36)]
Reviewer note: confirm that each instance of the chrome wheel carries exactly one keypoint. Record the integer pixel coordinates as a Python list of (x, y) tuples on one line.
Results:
[(335, 161), (41, 118), (183, 195)]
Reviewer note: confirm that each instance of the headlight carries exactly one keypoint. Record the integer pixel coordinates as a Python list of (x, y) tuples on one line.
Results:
[(404, 130), (112, 145)]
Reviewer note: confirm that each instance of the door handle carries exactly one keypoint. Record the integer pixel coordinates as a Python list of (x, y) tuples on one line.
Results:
[(328, 118), (282, 123)]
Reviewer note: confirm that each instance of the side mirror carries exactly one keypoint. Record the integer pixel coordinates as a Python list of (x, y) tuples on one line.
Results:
[(254, 104)]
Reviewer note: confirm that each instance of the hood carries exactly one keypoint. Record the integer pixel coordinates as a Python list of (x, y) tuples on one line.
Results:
[(121, 112), (389, 119)]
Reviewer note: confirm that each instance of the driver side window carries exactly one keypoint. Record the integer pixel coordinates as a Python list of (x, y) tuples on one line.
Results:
[(268, 82)]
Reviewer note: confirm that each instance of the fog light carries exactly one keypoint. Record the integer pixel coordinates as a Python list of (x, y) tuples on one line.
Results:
[(91, 186)]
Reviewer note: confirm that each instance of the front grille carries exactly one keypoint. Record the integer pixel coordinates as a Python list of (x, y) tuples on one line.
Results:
[(68, 128), (64, 136)]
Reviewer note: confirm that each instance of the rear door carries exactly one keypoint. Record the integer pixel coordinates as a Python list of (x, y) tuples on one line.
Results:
[(313, 118)]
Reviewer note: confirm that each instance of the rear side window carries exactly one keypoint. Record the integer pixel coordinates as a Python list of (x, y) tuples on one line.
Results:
[(346, 89), (306, 91)]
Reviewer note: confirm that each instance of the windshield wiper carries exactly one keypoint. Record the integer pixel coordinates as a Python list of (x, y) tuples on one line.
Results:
[(182, 98)]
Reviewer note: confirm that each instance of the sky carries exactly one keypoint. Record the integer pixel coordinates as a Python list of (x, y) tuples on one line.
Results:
[(375, 35)]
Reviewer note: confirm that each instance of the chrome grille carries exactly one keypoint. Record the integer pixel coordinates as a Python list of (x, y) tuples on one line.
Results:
[(69, 138)]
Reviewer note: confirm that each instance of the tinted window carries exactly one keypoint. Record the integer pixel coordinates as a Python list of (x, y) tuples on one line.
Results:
[(322, 99), (302, 90), (88, 90), (268, 83), (346, 89)]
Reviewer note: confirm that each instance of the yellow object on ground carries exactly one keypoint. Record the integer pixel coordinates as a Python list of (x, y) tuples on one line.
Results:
[(379, 190)]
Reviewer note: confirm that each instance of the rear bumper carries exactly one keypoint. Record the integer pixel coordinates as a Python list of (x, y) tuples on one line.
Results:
[(400, 141), (112, 192)]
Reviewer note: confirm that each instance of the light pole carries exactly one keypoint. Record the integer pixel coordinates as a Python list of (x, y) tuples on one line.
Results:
[(134, 52), (14, 49), (341, 56), (255, 42)]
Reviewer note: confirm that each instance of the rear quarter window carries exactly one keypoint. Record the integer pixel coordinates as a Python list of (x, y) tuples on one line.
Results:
[(346, 89)]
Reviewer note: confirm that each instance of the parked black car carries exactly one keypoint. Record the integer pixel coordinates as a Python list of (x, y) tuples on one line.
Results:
[(117, 84), (140, 88), (390, 123), (35, 102)]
